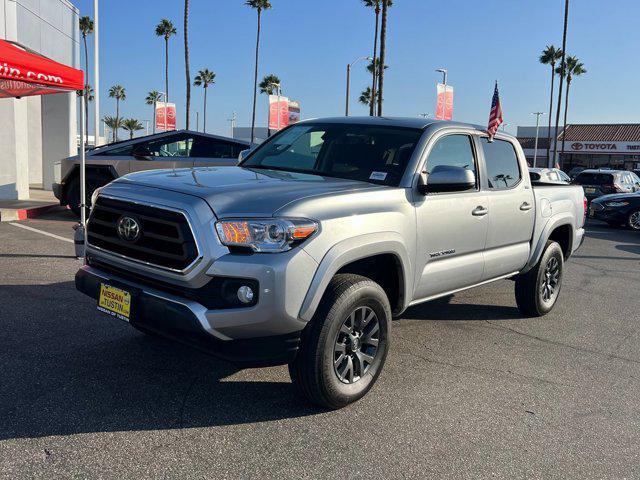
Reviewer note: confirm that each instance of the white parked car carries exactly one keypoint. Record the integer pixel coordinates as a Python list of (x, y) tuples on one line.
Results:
[(548, 175)]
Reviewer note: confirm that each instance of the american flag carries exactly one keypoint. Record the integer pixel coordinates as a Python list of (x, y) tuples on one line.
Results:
[(495, 116)]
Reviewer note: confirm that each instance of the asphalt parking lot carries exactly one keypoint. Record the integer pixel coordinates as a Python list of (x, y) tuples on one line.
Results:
[(470, 389)]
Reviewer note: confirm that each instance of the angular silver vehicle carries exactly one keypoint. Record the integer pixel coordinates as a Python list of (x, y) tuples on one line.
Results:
[(176, 149), (304, 253)]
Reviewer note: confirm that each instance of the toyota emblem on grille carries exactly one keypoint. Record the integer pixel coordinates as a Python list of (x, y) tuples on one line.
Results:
[(128, 228)]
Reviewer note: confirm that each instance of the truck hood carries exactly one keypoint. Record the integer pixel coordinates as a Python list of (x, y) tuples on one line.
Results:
[(238, 192)]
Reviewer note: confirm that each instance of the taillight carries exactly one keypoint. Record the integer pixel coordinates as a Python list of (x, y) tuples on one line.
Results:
[(584, 203), (612, 188)]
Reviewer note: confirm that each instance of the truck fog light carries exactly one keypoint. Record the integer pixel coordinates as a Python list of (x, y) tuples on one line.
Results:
[(245, 294)]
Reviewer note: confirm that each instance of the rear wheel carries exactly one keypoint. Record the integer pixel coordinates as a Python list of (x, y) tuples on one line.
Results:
[(537, 290), (633, 221), (345, 345), (94, 181)]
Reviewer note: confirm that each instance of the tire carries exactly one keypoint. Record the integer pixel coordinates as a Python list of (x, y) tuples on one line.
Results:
[(537, 290), (338, 361), (73, 191), (633, 220)]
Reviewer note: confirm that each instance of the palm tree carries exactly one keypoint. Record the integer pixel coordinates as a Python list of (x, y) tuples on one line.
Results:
[(365, 97), (383, 51), (203, 79), (186, 59), (574, 68), (563, 64), (259, 6), (550, 56), (371, 69), (267, 84), (88, 97), (375, 4), (131, 125), (114, 123), (153, 97), (119, 93), (165, 29)]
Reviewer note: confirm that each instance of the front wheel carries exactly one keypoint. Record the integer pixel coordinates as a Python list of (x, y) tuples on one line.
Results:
[(537, 290), (634, 220), (345, 345)]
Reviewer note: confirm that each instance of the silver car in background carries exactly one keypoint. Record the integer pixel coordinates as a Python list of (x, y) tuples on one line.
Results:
[(175, 149)]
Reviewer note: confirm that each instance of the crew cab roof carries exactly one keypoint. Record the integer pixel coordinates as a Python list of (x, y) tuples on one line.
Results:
[(407, 122)]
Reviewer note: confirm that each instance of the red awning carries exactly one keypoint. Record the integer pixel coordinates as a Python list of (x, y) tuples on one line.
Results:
[(23, 73)]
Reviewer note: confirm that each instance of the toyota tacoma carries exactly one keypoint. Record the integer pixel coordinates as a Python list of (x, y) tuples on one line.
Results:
[(304, 252)]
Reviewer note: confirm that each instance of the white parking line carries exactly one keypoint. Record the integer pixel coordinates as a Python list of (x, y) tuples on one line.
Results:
[(52, 235)]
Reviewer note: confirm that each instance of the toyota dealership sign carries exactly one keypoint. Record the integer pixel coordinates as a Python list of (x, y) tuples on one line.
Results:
[(630, 148)]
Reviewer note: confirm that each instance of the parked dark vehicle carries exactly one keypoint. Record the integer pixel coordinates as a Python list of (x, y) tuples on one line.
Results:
[(604, 182), (175, 149), (617, 210), (573, 173)]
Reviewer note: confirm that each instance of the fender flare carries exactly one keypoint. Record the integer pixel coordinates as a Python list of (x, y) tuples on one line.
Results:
[(553, 223), (351, 250)]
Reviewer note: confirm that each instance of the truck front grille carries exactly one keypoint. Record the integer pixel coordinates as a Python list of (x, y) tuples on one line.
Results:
[(165, 239)]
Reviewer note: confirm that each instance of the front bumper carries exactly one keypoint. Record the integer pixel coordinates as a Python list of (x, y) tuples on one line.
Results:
[(189, 322), (608, 214)]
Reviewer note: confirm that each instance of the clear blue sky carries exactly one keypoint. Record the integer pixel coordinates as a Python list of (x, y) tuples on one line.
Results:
[(308, 44)]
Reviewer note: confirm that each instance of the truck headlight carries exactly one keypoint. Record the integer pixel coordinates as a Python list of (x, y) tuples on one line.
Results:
[(616, 204), (269, 235)]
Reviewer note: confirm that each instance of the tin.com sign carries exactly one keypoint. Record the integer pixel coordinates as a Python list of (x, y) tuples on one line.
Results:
[(604, 147)]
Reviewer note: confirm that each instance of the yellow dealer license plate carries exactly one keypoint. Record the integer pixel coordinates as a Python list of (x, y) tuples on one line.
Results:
[(590, 190), (115, 302)]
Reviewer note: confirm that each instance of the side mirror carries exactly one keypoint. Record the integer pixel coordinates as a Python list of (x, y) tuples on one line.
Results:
[(446, 179), (244, 153)]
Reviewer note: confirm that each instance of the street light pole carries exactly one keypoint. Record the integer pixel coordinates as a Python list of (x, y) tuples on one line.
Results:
[(96, 74), (232, 120), (535, 148), (349, 65), (444, 72)]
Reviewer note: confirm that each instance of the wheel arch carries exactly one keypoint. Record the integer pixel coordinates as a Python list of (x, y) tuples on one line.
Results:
[(107, 171), (559, 229), (357, 255)]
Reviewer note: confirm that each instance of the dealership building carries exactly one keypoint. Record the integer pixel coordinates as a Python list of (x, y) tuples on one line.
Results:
[(37, 131), (613, 145)]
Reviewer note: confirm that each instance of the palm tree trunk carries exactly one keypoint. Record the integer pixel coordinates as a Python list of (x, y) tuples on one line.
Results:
[(553, 77), (186, 59), (204, 120), (130, 134), (374, 75), (166, 71), (115, 130), (562, 73), (86, 97), (255, 79), (383, 51), (154, 117), (566, 109)]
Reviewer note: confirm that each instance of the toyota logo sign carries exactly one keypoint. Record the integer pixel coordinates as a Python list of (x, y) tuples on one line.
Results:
[(128, 229), (577, 146)]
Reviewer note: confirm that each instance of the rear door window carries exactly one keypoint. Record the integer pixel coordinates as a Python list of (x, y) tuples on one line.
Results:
[(205, 147), (503, 167), (587, 178)]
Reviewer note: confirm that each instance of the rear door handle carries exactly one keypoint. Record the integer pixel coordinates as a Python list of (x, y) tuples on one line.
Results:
[(526, 206), (479, 211)]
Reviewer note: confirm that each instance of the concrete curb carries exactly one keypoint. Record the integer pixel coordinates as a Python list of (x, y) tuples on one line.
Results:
[(17, 214)]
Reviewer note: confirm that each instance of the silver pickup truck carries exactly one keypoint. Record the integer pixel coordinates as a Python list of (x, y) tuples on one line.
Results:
[(304, 253)]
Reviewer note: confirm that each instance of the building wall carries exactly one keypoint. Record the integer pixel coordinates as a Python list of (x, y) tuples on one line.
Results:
[(31, 126)]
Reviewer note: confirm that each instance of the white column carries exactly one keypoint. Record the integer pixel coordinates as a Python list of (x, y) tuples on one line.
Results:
[(14, 158), (34, 132), (59, 132)]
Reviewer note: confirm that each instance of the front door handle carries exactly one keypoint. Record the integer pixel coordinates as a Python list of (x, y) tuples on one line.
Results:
[(526, 206), (479, 211)]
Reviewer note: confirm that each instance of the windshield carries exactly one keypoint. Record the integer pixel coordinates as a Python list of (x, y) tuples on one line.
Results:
[(368, 153)]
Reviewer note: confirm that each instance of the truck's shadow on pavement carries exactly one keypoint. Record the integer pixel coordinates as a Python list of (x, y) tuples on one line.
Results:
[(68, 369)]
